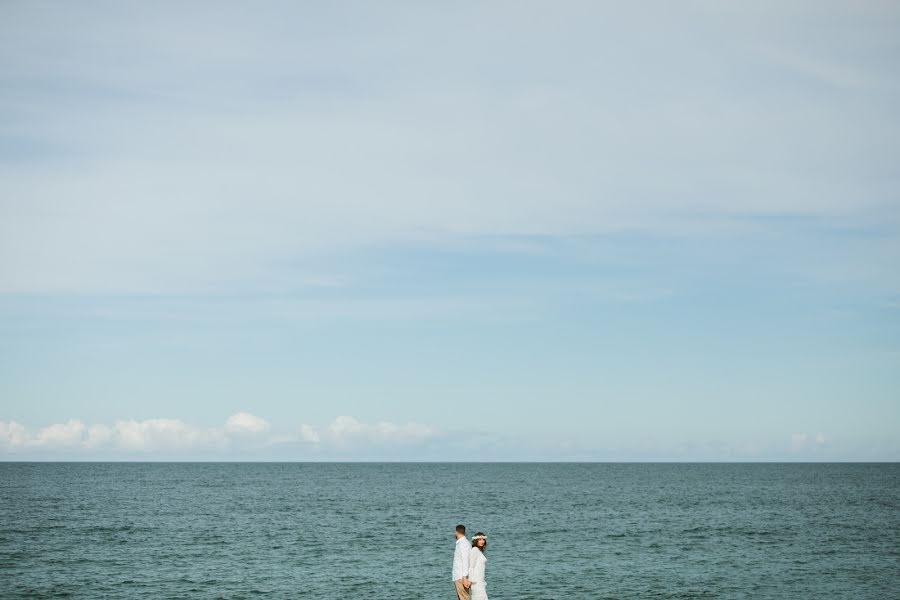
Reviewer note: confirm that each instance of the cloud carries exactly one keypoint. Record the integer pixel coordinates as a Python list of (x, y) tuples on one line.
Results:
[(309, 434), (12, 435), (826, 72), (349, 438), (98, 435), (338, 147), (70, 433), (348, 431), (246, 423), (807, 443), (241, 432), (130, 436), (163, 434)]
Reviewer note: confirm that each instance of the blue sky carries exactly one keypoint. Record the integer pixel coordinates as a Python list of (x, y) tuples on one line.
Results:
[(432, 231)]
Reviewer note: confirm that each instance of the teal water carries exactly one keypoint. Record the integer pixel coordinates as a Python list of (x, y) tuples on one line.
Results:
[(346, 531)]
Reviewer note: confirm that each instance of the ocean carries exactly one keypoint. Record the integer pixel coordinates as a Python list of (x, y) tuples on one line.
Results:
[(366, 530)]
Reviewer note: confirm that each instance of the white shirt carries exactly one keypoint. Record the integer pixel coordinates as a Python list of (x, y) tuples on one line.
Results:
[(461, 558)]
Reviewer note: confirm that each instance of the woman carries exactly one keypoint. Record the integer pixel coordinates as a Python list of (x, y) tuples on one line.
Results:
[(477, 560)]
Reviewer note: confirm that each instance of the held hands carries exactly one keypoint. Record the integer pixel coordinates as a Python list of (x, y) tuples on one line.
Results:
[(466, 582)]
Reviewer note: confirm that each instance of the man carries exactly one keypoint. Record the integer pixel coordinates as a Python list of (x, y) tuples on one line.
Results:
[(461, 564)]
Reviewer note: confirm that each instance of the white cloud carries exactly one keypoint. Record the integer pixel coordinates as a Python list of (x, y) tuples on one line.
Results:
[(125, 435), (246, 423), (309, 434), (344, 427), (241, 431), (12, 435), (807, 443), (163, 434), (70, 433), (348, 431), (98, 435)]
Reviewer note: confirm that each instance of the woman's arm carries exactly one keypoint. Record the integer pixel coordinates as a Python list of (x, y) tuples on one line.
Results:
[(474, 576)]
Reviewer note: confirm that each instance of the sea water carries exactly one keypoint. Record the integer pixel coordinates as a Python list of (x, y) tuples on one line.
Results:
[(346, 531)]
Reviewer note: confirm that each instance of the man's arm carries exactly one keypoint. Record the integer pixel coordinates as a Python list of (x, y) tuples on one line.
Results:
[(466, 553)]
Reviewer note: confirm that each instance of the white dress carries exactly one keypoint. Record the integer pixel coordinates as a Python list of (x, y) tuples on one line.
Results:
[(477, 560)]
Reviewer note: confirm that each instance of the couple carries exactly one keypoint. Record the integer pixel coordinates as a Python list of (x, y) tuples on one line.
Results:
[(468, 565)]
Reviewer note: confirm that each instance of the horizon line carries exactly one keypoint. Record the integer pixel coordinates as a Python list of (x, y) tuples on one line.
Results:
[(492, 462)]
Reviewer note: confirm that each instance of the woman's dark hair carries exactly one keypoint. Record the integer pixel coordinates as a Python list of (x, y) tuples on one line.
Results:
[(475, 542)]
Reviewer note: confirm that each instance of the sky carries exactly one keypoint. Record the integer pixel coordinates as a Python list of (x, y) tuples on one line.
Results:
[(450, 231)]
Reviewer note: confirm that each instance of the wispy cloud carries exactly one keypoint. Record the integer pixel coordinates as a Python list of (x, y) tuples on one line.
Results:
[(823, 71), (343, 141)]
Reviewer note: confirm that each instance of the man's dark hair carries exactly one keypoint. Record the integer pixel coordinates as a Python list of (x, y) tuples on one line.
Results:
[(461, 529)]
